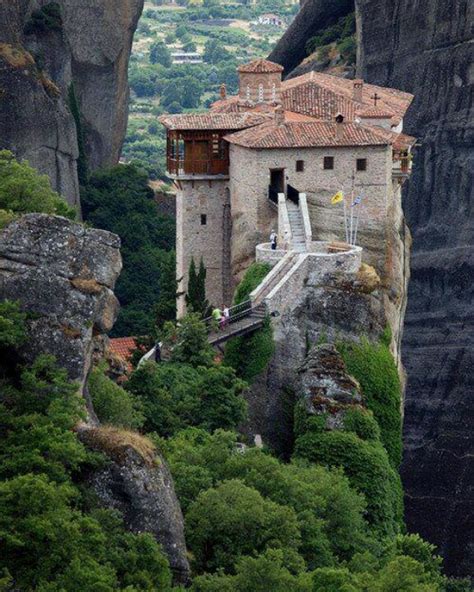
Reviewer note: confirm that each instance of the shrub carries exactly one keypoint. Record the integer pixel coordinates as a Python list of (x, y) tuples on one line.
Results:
[(112, 403), (369, 471), (252, 278), (47, 18), (23, 189), (249, 355), (232, 520), (176, 396), (373, 366)]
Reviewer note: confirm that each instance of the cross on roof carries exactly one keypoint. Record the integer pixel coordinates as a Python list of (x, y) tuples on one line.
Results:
[(376, 97)]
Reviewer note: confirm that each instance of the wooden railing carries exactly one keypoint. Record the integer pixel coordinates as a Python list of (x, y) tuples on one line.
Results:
[(181, 166)]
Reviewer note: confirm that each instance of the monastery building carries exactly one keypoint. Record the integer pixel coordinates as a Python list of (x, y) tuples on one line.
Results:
[(272, 158)]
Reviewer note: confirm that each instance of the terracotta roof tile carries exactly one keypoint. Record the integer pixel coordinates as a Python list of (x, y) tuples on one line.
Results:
[(376, 112), (211, 121), (391, 99), (307, 135), (312, 99), (260, 66), (123, 347)]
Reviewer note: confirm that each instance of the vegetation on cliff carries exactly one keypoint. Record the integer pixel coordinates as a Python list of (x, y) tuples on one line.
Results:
[(52, 536), (120, 200), (250, 354), (23, 190)]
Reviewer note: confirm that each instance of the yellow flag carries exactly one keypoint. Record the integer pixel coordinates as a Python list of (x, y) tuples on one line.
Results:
[(337, 198)]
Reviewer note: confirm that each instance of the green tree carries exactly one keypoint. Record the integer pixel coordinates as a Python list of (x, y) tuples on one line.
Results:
[(23, 189), (112, 403), (196, 296), (215, 52), (120, 200), (160, 54), (175, 396), (188, 341), (232, 520)]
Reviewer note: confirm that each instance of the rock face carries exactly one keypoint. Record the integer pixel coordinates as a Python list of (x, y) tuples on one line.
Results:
[(139, 485), (314, 15), (88, 49), (335, 306), (438, 349), (63, 274), (325, 387)]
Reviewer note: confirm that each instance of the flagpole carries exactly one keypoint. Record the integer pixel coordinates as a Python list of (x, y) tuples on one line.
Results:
[(345, 217), (352, 208), (358, 218)]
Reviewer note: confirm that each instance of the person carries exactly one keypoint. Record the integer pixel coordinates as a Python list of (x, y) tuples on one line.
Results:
[(273, 240), (226, 313), (217, 315)]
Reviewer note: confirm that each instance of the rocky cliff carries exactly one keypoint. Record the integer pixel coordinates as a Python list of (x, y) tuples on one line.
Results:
[(313, 16), (63, 274), (53, 54), (428, 49)]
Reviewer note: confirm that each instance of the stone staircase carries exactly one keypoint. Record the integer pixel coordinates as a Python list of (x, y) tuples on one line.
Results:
[(298, 239)]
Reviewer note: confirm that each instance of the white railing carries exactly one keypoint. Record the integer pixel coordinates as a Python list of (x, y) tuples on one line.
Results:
[(284, 228), (308, 233)]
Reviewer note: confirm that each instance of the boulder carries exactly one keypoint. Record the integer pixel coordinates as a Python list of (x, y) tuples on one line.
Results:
[(325, 387), (137, 482), (63, 274)]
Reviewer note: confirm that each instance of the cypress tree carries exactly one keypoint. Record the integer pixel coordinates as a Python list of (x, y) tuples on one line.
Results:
[(196, 296)]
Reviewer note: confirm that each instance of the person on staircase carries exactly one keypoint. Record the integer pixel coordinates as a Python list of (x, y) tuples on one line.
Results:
[(273, 240), (217, 316), (225, 315)]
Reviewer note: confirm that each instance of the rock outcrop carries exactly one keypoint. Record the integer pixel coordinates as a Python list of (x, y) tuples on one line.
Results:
[(87, 48), (428, 50), (325, 387), (328, 307), (313, 16), (64, 275), (137, 482)]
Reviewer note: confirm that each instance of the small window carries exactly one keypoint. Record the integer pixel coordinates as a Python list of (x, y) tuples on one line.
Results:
[(361, 164), (203, 219), (299, 166), (329, 162), (260, 93)]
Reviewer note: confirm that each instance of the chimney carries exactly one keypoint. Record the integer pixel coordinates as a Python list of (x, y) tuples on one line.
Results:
[(279, 115), (357, 90), (223, 91), (339, 126)]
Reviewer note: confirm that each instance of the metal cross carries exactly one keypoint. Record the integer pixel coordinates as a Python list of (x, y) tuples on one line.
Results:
[(376, 98)]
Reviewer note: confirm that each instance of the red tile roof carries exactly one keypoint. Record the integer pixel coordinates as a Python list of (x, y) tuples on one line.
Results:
[(376, 112), (260, 66), (307, 135), (123, 347), (212, 121), (312, 99), (391, 99)]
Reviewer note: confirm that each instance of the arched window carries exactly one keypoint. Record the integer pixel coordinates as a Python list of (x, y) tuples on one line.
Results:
[(248, 92), (274, 92), (260, 93)]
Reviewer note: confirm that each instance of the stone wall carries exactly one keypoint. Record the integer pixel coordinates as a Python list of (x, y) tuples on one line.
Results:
[(196, 240), (253, 217)]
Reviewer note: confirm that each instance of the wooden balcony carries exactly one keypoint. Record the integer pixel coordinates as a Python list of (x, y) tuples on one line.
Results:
[(197, 154)]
